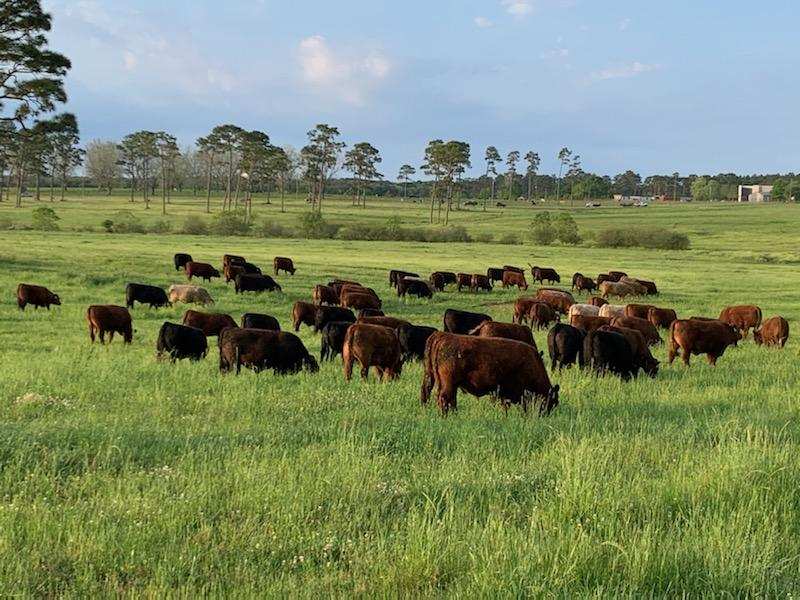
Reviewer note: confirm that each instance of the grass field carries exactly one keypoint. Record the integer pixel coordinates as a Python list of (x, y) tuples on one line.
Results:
[(123, 475)]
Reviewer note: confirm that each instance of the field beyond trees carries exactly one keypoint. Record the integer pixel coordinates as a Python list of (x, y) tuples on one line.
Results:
[(124, 475)]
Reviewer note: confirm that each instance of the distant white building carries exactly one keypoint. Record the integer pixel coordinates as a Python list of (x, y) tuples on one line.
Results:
[(624, 200), (755, 193)]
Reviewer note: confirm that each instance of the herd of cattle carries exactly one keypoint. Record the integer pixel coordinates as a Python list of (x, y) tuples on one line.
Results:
[(472, 353)]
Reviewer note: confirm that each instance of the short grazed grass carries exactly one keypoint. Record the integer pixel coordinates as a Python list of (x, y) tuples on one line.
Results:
[(123, 475)]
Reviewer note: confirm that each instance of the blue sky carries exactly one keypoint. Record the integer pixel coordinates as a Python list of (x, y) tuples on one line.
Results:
[(694, 86)]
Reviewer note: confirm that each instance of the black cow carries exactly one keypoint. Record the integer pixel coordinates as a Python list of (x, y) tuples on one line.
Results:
[(326, 314), (250, 268), (259, 321), (255, 283), (412, 340), (181, 259), (494, 274), (395, 276), (462, 321), (259, 349), (333, 334), (608, 351), (565, 345), (181, 341), (145, 294), (414, 287)]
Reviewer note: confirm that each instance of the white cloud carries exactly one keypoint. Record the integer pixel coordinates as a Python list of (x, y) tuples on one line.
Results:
[(623, 71), (518, 8), (555, 53), (624, 24), (482, 22), (130, 60)]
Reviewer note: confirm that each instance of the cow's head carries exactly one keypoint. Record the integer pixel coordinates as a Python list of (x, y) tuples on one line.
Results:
[(550, 401), (757, 337), (651, 367), (55, 300)]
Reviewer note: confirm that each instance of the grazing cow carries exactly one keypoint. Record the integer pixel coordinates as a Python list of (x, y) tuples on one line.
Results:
[(773, 332), (584, 284), (260, 349), (511, 278), (616, 275), (637, 310), (462, 321), (189, 294), (448, 277), (332, 339), (202, 270), (255, 283), (694, 336), (370, 312), (359, 300), (742, 318), (587, 310), (661, 317), (508, 331), (372, 346), (485, 365), (259, 321), (390, 322), (395, 276), (542, 274), (326, 314), (464, 280), (612, 310), (437, 281), (230, 271), (305, 313), (514, 269), (542, 315), (180, 259), (575, 277), (641, 290), (494, 274), (556, 299), (652, 288), (618, 289), (639, 347), (588, 324), (210, 324), (602, 277), (414, 287), (282, 263), (480, 282), (358, 289), (179, 342), (565, 345), (107, 318), (522, 308), (609, 351), (597, 301), (250, 268), (232, 259), (145, 294), (36, 296), (338, 284), (412, 340), (324, 294), (643, 326)]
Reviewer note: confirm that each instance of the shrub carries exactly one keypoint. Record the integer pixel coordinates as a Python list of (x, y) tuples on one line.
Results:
[(230, 223), (160, 226), (268, 229), (509, 239), (194, 225), (6, 223), (484, 237), (108, 226), (651, 237), (542, 231), (45, 219), (455, 233), (126, 222), (566, 229), (314, 226)]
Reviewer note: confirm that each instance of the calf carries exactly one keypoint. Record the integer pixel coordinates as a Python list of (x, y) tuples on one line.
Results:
[(332, 340), (461, 321), (259, 350), (661, 317), (522, 308), (414, 287), (180, 259), (480, 282), (305, 313), (609, 351), (255, 283), (179, 342), (372, 346), (211, 324), (512, 278), (743, 318), (323, 294), (107, 318), (412, 340), (202, 270), (565, 345), (693, 336), (509, 331), (773, 332), (145, 294), (259, 321), (36, 296), (282, 263), (643, 326), (326, 314)]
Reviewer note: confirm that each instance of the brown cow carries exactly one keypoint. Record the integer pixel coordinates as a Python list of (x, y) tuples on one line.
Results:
[(437, 281), (511, 278), (661, 317), (616, 275), (281, 263), (359, 300), (556, 299), (637, 310), (324, 294), (541, 315), (742, 318), (700, 337), (464, 280), (643, 326), (639, 346), (480, 282), (619, 289), (597, 301), (107, 318), (232, 259), (582, 283), (522, 307), (202, 270), (210, 324), (641, 289), (509, 331), (303, 313), (36, 296), (230, 271), (372, 346), (588, 324), (773, 332), (358, 289), (390, 322), (512, 370)]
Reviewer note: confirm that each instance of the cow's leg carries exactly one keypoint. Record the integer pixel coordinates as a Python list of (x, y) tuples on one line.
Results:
[(364, 371), (110, 336), (348, 366), (712, 359), (427, 387), (673, 352), (91, 332), (687, 353), (446, 399), (102, 335)]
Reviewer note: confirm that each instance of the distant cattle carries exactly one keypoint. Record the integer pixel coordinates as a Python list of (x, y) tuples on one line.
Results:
[(542, 274), (36, 296), (643, 358), (189, 294), (587, 310), (414, 287), (588, 324), (575, 277), (357, 289), (154, 296), (557, 299), (602, 277), (511, 370), (583, 284), (461, 321), (323, 294), (370, 312), (464, 280), (773, 332), (692, 336), (255, 283), (332, 339), (494, 274), (742, 318), (449, 277), (643, 326), (612, 310), (390, 322), (107, 318), (396, 275), (326, 314), (412, 340), (609, 352), (513, 278), (597, 301), (179, 342), (652, 288), (202, 270), (282, 263), (541, 315), (211, 324), (640, 289), (359, 300), (305, 313), (260, 321), (180, 259), (618, 289), (338, 284), (260, 349), (480, 282), (565, 345), (509, 331), (638, 310), (372, 346), (661, 317)]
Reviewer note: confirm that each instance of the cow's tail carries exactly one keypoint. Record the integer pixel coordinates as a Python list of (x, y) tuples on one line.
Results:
[(238, 359), (672, 343), (475, 330), (758, 323)]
